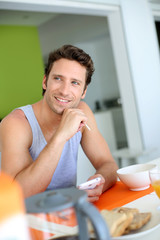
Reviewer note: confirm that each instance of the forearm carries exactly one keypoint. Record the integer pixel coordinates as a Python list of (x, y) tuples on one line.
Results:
[(108, 171), (36, 176)]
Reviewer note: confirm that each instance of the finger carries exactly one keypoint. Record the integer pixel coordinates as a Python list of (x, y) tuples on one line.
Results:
[(97, 175), (94, 192), (92, 199)]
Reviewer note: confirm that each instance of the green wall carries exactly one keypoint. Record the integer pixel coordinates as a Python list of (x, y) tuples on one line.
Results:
[(21, 67)]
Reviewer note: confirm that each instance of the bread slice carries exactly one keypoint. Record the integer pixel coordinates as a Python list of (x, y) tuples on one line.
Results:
[(139, 219), (121, 228), (116, 222), (122, 220), (113, 220), (126, 210)]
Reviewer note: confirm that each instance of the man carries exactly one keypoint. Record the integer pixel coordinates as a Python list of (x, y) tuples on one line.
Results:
[(39, 142)]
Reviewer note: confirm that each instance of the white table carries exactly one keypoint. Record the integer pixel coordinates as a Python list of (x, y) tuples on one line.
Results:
[(149, 201)]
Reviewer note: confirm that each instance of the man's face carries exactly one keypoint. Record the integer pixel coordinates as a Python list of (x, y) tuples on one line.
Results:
[(65, 85)]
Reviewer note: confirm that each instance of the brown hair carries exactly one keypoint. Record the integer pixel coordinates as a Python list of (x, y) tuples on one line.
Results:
[(71, 53)]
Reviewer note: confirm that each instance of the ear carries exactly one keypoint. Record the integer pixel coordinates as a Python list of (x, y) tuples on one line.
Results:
[(84, 94), (44, 82)]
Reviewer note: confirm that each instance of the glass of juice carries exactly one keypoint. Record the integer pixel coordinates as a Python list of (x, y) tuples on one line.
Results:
[(155, 179)]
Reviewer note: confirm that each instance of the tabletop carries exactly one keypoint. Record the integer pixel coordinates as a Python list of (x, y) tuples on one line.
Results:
[(53, 225), (154, 235)]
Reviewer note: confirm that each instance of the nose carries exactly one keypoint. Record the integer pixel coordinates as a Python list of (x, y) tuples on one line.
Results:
[(64, 88)]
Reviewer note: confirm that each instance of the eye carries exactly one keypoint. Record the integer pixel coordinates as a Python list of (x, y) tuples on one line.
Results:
[(75, 83), (57, 78)]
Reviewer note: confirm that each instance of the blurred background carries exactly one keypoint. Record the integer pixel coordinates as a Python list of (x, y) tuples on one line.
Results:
[(121, 36)]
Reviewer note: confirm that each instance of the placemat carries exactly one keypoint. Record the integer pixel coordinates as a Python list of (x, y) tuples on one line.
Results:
[(119, 195)]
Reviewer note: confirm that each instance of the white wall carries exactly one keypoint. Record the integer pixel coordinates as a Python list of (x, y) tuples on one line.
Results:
[(70, 28), (143, 55), (104, 84)]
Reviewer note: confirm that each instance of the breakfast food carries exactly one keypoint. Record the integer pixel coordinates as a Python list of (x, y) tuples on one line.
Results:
[(122, 220), (117, 222), (139, 219)]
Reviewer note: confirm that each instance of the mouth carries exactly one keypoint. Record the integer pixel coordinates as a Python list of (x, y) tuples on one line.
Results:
[(62, 100)]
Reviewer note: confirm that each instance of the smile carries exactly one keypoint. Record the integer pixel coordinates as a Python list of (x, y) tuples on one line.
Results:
[(62, 100)]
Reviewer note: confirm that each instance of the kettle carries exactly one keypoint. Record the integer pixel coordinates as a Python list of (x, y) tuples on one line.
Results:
[(60, 199)]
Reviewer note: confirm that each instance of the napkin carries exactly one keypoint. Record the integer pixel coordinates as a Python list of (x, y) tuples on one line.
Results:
[(119, 195)]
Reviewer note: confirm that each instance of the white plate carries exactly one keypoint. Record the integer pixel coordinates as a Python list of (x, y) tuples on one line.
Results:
[(148, 203)]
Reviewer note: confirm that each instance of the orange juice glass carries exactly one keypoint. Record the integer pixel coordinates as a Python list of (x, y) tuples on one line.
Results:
[(155, 179)]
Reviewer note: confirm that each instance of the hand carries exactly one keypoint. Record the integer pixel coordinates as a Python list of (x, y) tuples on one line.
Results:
[(72, 121), (94, 194)]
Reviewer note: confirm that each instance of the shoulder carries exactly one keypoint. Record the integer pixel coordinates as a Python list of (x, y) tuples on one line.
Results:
[(87, 110), (15, 124), (17, 116), (84, 106), (91, 121)]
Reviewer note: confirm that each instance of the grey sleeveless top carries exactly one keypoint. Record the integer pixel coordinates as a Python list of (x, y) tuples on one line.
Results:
[(65, 174)]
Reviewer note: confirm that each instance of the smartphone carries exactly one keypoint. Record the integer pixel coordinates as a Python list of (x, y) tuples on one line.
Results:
[(90, 184)]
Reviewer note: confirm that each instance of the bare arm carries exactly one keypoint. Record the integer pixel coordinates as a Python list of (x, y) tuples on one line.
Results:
[(16, 139), (97, 150)]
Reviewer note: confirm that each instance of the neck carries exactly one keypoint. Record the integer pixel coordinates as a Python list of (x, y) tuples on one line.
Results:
[(45, 116)]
